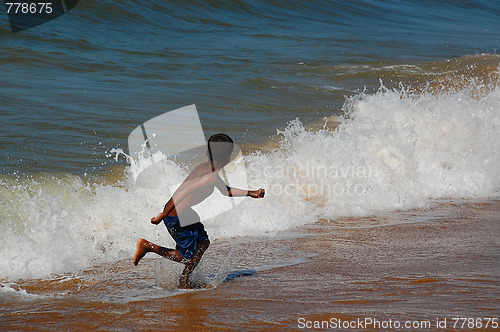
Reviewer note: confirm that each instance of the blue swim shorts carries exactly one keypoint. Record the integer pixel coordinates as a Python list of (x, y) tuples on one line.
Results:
[(187, 237)]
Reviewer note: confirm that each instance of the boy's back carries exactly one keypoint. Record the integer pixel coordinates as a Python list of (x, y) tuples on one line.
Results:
[(201, 184)]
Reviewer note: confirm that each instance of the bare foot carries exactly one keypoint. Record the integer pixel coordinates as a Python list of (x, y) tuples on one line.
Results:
[(142, 249)]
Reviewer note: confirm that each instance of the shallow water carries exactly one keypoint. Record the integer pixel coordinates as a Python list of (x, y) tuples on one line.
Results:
[(420, 266)]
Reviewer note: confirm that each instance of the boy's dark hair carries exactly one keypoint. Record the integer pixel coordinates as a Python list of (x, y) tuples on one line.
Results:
[(220, 146)]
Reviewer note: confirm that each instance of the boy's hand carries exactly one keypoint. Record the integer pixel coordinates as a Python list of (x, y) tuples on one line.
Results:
[(257, 193), (156, 220)]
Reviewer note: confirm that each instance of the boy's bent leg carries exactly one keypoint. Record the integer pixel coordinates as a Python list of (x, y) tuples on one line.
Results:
[(144, 246), (190, 266)]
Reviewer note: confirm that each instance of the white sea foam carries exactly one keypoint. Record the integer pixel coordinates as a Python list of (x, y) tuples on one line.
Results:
[(6, 290), (392, 151), (396, 151)]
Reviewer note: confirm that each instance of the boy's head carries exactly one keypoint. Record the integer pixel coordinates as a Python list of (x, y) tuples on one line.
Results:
[(220, 148)]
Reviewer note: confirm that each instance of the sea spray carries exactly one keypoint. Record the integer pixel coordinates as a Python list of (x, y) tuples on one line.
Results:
[(59, 223), (393, 150)]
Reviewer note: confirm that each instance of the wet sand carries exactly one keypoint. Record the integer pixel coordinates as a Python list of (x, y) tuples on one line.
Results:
[(421, 266)]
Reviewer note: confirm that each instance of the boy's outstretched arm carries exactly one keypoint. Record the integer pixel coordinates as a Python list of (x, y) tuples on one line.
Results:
[(235, 192)]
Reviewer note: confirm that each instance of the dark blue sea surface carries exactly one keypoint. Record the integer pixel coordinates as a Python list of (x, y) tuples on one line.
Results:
[(75, 87)]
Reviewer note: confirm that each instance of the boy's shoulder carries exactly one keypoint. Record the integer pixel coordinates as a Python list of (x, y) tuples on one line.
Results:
[(203, 170)]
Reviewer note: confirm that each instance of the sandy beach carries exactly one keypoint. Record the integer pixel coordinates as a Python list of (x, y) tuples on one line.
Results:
[(418, 267)]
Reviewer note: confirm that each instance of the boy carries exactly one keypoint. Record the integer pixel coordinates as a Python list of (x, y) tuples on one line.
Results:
[(192, 240)]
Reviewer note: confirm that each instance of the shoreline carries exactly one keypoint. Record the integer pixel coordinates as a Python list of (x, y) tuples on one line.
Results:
[(421, 270)]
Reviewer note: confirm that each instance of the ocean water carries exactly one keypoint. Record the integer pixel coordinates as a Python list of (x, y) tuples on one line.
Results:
[(413, 87)]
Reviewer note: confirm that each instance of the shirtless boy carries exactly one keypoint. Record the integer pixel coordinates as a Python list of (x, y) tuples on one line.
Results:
[(192, 240)]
